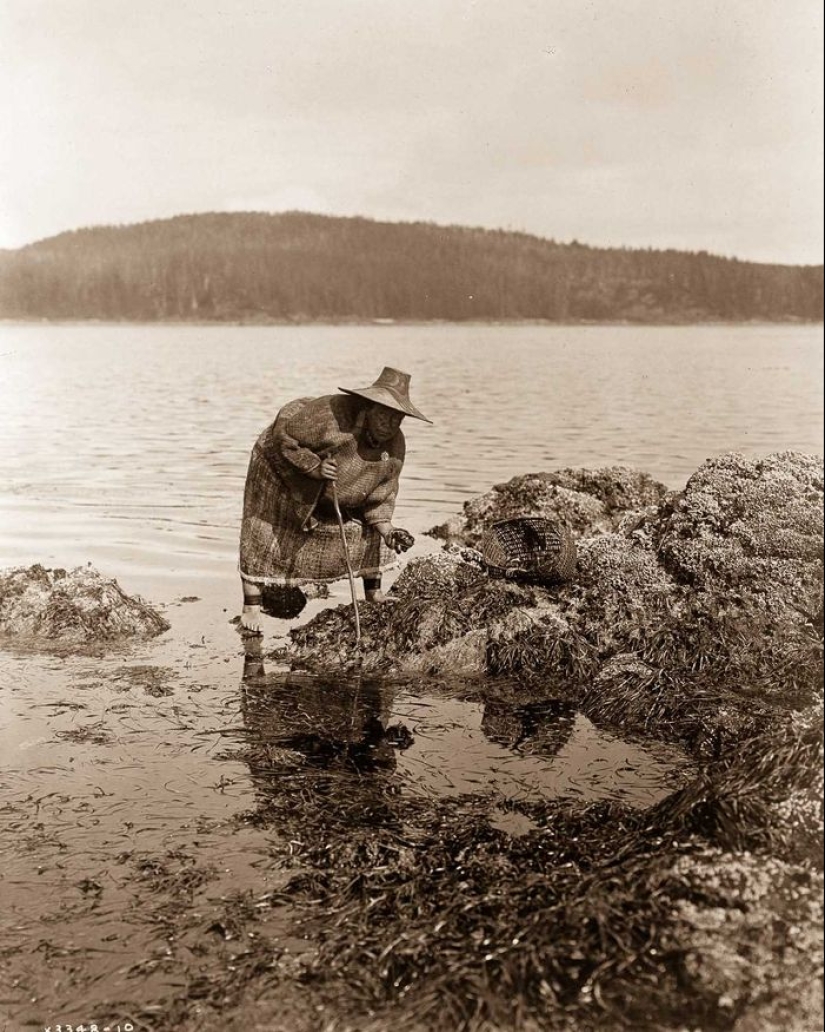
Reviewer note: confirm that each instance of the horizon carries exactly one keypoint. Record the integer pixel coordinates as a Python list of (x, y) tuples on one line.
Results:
[(407, 222), (617, 122)]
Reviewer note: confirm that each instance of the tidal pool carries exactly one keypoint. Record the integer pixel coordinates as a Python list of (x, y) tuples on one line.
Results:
[(152, 800), (443, 744)]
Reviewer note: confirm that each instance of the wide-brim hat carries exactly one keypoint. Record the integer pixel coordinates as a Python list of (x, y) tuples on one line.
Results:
[(391, 389)]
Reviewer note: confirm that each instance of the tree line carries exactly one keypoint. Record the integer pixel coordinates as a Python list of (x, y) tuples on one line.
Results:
[(301, 267)]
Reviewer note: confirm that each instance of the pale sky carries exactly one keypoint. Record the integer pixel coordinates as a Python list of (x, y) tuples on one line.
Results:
[(665, 123)]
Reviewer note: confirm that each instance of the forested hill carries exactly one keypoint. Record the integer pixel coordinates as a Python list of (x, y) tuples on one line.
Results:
[(300, 267)]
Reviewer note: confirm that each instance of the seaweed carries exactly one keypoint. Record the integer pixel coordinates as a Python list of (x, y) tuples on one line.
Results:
[(425, 915), (50, 608)]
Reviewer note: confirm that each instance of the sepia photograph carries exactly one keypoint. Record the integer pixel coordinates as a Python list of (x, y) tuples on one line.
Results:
[(411, 516)]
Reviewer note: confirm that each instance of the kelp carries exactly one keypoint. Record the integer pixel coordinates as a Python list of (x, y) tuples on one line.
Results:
[(425, 915)]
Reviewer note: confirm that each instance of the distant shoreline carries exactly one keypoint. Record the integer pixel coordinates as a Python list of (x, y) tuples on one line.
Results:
[(383, 324), (254, 269)]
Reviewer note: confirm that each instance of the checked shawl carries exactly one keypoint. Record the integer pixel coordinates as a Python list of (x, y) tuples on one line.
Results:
[(288, 533)]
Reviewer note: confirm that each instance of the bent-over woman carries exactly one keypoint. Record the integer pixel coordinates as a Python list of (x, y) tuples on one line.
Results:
[(289, 534)]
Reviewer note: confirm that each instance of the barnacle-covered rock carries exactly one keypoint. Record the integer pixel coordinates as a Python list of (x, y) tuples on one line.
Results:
[(721, 580), (588, 501), (53, 608), (749, 934), (749, 526), (620, 591)]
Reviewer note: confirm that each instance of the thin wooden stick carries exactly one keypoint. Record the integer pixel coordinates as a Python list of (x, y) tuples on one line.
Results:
[(349, 564)]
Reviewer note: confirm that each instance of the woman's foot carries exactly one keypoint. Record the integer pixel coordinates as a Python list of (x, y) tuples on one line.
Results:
[(250, 622)]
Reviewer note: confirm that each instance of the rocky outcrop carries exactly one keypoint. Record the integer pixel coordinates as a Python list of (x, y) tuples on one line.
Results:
[(80, 607), (760, 960), (588, 501), (693, 616), (723, 580), (752, 527)]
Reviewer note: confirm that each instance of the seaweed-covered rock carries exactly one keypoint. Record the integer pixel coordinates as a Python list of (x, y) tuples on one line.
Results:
[(717, 586), (76, 607), (588, 501), (428, 627), (693, 617)]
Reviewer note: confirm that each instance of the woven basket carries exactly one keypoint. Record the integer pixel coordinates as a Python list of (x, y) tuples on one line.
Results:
[(529, 548)]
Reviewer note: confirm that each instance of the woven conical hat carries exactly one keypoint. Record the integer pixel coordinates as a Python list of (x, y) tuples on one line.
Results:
[(391, 389)]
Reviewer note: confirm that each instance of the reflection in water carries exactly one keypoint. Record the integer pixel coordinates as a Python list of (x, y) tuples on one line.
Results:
[(335, 724), (439, 745), (538, 727)]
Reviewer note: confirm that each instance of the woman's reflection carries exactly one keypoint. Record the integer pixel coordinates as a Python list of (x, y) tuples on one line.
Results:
[(334, 723), (343, 726)]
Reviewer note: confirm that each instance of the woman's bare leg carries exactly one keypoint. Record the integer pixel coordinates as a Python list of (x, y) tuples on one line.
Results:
[(372, 590), (251, 614)]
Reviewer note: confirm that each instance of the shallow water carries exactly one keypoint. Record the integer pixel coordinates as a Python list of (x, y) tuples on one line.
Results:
[(124, 786), (441, 743), (114, 812)]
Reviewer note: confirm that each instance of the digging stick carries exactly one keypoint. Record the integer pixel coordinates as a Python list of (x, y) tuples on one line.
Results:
[(340, 519)]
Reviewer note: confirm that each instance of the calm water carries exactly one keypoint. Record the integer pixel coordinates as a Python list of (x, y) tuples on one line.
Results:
[(437, 743), (127, 447)]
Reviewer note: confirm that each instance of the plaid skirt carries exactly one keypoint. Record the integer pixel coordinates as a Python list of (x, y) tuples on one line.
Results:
[(276, 550)]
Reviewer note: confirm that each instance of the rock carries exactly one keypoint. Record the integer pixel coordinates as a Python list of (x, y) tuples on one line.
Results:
[(750, 526), (718, 585), (749, 934), (48, 608), (693, 617), (799, 814), (588, 501), (421, 630)]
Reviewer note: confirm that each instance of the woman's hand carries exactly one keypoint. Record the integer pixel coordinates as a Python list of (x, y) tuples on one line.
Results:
[(328, 470), (399, 540)]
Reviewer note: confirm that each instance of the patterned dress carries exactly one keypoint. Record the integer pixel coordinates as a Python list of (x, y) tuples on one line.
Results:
[(289, 532)]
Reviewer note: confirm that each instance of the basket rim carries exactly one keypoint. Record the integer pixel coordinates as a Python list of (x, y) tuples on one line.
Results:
[(524, 519)]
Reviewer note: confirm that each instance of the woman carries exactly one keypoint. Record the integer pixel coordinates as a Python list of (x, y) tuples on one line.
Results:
[(290, 535)]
